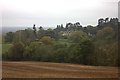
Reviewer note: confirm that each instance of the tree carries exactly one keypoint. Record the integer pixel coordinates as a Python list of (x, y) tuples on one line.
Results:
[(48, 40), (43, 53), (112, 55), (30, 37), (16, 51), (48, 32), (77, 24), (80, 52), (106, 20), (26, 36), (38, 51), (34, 29), (3, 38), (100, 21), (77, 36), (68, 25), (9, 37), (60, 55), (40, 28), (62, 26), (106, 33), (86, 48), (29, 52), (51, 33)]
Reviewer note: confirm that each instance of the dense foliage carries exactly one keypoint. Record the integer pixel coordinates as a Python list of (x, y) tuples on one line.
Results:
[(72, 43)]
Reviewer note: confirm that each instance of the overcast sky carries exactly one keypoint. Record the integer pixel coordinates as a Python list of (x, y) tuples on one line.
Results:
[(49, 13)]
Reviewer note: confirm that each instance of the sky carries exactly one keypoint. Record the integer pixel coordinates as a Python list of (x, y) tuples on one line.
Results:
[(50, 13)]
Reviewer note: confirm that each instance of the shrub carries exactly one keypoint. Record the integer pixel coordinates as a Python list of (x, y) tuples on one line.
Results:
[(48, 40), (16, 51)]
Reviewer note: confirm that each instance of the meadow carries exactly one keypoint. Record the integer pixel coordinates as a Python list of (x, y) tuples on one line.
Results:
[(5, 47)]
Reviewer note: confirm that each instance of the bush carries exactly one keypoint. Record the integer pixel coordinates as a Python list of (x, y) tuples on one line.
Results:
[(5, 56), (60, 55), (43, 53), (80, 52), (16, 51), (29, 51), (78, 36), (48, 40)]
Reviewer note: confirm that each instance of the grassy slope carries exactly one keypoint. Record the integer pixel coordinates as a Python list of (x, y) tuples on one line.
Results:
[(5, 47), (64, 41)]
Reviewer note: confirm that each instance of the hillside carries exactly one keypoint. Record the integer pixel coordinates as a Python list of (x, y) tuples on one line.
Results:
[(55, 70)]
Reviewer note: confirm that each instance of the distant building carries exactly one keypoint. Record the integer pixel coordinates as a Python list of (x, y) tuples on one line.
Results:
[(36, 40), (67, 33)]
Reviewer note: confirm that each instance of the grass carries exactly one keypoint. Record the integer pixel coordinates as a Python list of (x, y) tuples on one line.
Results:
[(5, 47), (64, 41)]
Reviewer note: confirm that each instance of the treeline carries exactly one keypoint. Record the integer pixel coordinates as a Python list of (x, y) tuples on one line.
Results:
[(90, 45)]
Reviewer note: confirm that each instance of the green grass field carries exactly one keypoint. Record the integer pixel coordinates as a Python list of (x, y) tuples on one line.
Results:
[(5, 47), (64, 41)]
